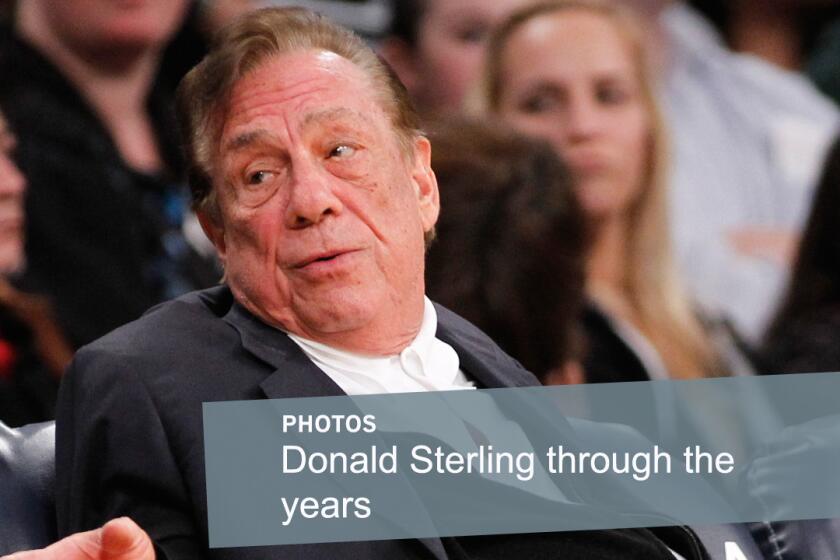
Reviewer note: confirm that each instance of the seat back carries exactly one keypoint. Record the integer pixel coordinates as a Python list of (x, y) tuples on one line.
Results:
[(27, 480)]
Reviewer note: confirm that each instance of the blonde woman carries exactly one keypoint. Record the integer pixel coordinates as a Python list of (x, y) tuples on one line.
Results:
[(574, 72)]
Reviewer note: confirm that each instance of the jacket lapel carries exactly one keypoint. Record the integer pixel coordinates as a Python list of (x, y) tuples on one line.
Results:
[(294, 374), (481, 359)]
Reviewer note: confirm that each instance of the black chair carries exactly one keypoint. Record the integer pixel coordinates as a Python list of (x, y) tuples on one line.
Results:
[(27, 478)]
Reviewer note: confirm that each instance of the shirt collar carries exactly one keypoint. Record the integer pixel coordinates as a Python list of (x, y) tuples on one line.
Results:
[(425, 357)]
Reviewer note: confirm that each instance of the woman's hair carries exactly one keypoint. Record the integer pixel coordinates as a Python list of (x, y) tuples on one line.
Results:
[(815, 281), (653, 286), (510, 245)]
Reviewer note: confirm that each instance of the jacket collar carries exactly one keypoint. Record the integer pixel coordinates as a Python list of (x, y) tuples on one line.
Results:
[(295, 374)]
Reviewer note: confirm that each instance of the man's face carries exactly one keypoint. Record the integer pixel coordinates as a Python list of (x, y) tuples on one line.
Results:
[(451, 43), (322, 213)]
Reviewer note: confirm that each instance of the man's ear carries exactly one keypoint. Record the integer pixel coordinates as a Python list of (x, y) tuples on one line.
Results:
[(400, 57), (214, 230), (425, 182)]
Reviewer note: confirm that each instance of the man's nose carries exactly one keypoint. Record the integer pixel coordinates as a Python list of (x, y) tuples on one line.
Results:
[(312, 197)]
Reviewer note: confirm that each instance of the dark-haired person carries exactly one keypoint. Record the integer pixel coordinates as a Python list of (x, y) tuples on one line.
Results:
[(107, 205), (509, 251), (509, 256), (783, 32), (33, 349), (805, 334), (437, 47)]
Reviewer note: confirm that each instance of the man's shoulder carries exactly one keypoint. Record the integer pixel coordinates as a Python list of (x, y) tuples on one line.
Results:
[(466, 337), (455, 325), (182, 353), (183, 326)]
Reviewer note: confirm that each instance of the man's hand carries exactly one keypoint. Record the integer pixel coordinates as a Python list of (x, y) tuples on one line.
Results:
[(119, 539)]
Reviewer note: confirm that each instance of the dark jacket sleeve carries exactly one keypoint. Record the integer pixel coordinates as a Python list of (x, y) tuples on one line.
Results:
[(113, 457)]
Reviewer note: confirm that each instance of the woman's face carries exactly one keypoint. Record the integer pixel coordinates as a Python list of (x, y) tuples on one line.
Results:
[(569, 77), (451, 42), (107, 25)]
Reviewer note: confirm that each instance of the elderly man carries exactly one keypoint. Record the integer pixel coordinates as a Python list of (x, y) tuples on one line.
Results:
[(311, 178)]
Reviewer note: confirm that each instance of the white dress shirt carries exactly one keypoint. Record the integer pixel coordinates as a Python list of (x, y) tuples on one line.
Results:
[(427, 364)]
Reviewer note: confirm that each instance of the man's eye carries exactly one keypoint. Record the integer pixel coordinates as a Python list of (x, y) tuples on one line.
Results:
[(342, 151), (259, 177)]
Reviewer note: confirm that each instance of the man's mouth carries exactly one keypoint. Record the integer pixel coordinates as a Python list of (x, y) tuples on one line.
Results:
[(324, 257)]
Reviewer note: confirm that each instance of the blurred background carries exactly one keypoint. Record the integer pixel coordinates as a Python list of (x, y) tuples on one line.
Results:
[(632, 189)]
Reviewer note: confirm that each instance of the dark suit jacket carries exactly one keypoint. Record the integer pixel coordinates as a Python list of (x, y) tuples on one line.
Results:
[(129, 439)]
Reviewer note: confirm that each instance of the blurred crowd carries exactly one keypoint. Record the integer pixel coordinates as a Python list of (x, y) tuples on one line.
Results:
[(630, 189)]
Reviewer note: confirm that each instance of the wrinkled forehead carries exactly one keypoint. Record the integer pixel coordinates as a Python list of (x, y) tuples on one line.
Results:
[(295, 86)]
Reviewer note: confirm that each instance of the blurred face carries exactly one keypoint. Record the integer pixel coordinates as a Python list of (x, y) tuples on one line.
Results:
[(323, 214), (648, 7), (12, 187), (586, 99), (114, 24), (450, 47)]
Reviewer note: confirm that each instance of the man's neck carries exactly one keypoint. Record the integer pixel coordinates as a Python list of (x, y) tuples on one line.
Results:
[(369, 343), (371, 346), (385, 335)]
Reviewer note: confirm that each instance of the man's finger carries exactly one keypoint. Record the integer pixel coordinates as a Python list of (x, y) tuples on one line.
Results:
[(123, 539), (80, 546), (119, 539)]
